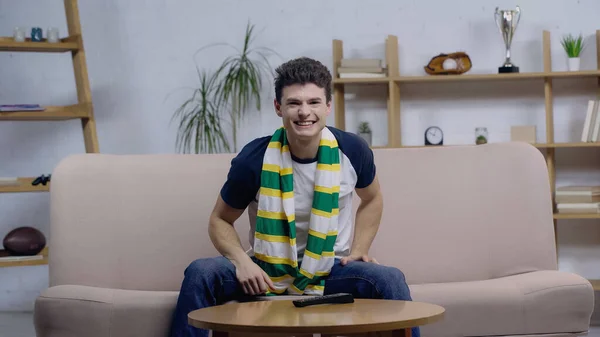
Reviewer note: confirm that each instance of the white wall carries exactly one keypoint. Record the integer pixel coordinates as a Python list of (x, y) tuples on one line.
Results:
[(139, 52)]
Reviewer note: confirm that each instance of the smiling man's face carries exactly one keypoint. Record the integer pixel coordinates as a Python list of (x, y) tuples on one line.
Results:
[(304, 110)]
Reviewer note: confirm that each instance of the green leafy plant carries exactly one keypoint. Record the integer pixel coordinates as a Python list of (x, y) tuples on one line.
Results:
[(573, 45), (230, 91), (241, 79), (200, 127), (364, 127)]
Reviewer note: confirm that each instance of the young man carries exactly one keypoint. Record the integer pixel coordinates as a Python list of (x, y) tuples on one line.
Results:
[(297, 185)]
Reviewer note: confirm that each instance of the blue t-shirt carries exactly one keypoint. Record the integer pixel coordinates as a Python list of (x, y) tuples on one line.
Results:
[(241, 189)]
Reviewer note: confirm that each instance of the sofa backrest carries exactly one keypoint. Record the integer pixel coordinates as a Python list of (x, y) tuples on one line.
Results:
[(450, 214), (133, 221), (465, 213)]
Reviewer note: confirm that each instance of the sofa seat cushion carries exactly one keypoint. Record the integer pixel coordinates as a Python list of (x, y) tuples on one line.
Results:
[(541, 302), (74, 311)]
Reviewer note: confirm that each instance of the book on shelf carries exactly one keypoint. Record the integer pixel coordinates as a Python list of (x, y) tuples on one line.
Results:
[(362, 75), (578, 199), (583, 208), (591, 125), (361, 68), (361, 63), (370, 70), (9, 181), (16, 258), (20, 107)]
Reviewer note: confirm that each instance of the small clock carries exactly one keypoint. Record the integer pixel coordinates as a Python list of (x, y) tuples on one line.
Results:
[(434, 136)]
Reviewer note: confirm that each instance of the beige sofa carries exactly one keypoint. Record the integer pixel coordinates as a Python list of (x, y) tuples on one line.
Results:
[(471, 227)]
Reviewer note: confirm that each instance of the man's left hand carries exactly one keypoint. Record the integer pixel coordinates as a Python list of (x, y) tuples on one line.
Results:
[(364, 258)]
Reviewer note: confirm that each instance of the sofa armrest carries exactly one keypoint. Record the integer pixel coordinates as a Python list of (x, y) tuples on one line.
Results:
[(73, 311)]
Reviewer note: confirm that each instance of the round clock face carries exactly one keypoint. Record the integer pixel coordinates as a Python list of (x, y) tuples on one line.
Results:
[(434, 135)]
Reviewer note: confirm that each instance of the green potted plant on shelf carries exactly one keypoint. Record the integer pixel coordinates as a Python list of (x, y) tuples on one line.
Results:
[(364, 131), (229, 92), (573, 46)]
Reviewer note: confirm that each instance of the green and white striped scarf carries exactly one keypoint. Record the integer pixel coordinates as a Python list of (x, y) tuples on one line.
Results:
[(275, 234)]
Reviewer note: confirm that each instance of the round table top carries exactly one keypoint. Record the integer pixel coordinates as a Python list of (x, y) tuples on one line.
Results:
[(281, 316)]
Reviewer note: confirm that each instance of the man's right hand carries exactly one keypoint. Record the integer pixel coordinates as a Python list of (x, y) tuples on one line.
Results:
[(253, 279)]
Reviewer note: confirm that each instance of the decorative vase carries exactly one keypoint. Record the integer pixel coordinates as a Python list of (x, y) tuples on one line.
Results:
[(574, 63), (366, 136)]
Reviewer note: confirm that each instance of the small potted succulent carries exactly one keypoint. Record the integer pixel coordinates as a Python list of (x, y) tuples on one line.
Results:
[(573, 47), (364, 131)]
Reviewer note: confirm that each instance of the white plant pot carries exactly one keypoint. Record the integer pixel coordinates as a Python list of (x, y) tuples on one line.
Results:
[(367, 137), (574, 63)]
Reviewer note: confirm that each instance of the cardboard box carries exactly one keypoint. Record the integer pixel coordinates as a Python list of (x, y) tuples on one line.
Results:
[(523, 133)]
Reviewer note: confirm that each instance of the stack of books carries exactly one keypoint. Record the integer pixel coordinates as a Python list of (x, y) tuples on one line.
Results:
[(591, 126), (578, 199), (361, 68)]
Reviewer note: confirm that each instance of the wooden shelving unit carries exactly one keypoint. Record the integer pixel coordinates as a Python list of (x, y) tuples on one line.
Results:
[(24, 185), (394, 81), (39, 262), (70, 44), (51, 113), (82, 110)]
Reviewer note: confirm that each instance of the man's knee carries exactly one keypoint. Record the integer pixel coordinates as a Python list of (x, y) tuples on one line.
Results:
[(207, 267), (396, 274), (392, 284), (388, 275)]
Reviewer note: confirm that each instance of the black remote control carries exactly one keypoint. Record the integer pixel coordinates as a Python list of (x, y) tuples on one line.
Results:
[(325, 299)]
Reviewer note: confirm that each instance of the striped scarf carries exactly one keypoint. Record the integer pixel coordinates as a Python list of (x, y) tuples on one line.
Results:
[(275, 234)]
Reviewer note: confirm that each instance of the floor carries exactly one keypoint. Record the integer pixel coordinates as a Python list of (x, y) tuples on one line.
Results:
[(15, 324), (21, 325)]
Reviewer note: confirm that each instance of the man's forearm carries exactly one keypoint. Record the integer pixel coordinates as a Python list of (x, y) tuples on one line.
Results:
[(368, 217), (226, 240)]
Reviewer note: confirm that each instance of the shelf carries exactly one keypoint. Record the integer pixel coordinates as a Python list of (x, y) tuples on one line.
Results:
[(24, 185), (566, 145), (43, 261), (538, 145), (472, 77), (66, 45), (366, 80), (595, 284), (497, 77), (568, 216), (52, 113)]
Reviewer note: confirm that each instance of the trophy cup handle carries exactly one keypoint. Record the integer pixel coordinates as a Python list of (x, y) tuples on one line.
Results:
[(518, 11), (496, 15)]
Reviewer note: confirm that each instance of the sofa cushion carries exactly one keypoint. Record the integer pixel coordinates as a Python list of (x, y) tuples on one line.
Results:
[(74, 311), (530, 303)]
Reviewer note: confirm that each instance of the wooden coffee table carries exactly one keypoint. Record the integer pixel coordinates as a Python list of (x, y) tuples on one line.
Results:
[(281, 317)]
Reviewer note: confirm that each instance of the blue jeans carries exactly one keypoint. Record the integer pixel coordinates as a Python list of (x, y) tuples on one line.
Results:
[(212, 281)]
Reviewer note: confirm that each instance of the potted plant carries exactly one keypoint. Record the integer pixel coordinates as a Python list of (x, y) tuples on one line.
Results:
[(200, 128), (364, 131), (573, 47), (228, 91)]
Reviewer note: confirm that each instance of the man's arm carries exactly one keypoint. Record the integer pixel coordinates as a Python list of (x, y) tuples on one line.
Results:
[(222, 233), (368, 217), (224, 237)]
